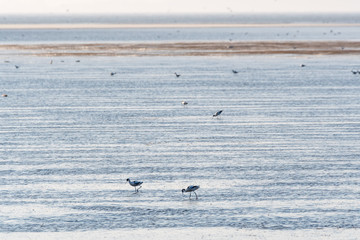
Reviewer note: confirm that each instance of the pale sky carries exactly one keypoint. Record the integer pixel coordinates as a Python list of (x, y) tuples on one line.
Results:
[(176, 6)]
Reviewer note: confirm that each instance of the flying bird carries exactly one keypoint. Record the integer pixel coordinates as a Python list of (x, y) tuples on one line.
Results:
[(190, 189), (217, 113), (134, 184)]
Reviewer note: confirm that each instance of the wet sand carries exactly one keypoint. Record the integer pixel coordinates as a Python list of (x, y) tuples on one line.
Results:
[(185, 48), (220, 233)]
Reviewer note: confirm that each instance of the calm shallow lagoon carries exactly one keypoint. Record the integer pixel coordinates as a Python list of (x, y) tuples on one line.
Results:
[(281, 162), (284, 155)]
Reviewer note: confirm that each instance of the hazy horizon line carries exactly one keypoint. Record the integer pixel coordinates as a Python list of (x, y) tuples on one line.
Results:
[(181, 18)]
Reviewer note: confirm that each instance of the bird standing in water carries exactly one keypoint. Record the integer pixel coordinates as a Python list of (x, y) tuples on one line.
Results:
[(191, 189), (217, 113), (134, 184)]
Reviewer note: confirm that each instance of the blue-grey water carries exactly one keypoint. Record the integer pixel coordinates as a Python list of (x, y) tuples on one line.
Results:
[(339, 30), (283, 155), (312, 33)]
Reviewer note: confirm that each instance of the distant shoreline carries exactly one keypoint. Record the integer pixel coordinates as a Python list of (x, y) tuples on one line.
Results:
[(168, 25), (212, 48)]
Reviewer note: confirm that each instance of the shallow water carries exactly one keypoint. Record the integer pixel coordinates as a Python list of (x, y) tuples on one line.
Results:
[(113, 35), (314, 26), (284, 155)]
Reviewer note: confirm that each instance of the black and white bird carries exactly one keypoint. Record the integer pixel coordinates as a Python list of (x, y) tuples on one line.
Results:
[(177, 75), (184, 103), (190, 189), (134, 184), (217, 113)]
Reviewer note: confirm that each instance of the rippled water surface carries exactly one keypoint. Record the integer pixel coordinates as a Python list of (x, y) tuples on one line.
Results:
[(303, 27), (304, 33), (283, 155)]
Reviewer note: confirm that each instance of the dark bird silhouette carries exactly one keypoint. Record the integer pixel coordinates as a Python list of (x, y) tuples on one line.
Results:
[(134, 184), (177, 75), (217, 113), (234, 71), (191, 189)]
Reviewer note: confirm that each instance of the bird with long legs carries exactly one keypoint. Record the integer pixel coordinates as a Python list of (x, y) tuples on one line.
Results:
[(191, 189), (135, 184)]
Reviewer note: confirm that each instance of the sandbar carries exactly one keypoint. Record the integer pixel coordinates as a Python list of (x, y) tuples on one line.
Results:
[(208, 48)]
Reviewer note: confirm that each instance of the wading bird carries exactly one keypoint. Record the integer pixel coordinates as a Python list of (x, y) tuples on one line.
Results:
[(217, 113), (191, 189), (134, 184)]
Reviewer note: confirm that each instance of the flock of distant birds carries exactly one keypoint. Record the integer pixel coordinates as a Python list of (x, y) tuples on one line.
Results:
[(190, 189), (177, 75), (184, 103)]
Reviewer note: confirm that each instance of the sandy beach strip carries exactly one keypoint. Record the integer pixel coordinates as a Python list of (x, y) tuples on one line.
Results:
[(216, 233), (185, 48)]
